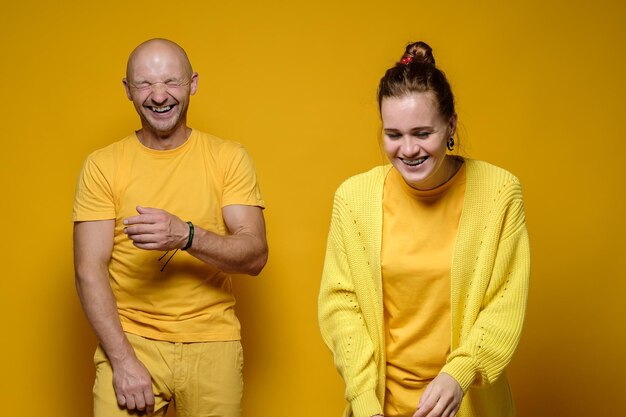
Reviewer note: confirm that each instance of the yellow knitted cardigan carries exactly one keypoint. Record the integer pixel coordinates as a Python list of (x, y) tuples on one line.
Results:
[(489, 276)]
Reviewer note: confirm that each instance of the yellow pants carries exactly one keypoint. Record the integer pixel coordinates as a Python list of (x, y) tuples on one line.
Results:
[(203, 379)]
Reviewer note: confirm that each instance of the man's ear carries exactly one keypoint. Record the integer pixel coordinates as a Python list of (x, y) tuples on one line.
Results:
[(127, 88), (194, 84)]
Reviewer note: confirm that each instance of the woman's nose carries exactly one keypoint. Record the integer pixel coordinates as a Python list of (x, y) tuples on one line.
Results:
[(409, 146)]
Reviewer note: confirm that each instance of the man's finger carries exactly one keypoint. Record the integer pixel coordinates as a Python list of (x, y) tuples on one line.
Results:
[(141, 219), (146, 210), (130, 402), (148, 246), (139, 229), (149, 396), (142, 238), (133, 220), (140, 403)]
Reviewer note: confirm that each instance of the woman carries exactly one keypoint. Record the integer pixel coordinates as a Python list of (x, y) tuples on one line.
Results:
[(427, 265)]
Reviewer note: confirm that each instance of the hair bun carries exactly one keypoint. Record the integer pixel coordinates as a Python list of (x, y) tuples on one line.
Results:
[(418, 52)]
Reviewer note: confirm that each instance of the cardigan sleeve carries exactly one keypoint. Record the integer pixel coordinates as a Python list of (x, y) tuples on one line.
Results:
[(342, 323), (487, 348)]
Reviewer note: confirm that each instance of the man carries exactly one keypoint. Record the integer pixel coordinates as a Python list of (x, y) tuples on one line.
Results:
[(160, 219)]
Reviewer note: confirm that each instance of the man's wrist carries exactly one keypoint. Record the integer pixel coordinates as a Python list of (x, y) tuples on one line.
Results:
[(189, 236), (121, 356)]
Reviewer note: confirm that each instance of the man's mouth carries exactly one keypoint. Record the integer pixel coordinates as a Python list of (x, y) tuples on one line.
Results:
[(414, 162), (161, 109)]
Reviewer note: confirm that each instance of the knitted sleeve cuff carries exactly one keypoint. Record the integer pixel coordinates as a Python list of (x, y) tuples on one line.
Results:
[(462, 369), (366, 405)]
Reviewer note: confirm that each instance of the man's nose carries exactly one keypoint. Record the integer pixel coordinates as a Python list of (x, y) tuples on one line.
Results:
[(159, 93)]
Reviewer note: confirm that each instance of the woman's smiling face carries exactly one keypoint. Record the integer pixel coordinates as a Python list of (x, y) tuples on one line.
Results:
[(415, 135)]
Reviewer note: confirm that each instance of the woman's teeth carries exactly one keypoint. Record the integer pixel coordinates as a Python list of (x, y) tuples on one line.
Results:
[(415, 162)]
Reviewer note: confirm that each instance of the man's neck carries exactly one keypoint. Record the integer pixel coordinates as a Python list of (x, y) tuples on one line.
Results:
[(164, 141)]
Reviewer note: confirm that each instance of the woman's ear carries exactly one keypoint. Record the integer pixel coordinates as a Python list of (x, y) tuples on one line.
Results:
[(452, 124)]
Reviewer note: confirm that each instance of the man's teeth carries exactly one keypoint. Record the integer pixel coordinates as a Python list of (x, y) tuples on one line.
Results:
[(415, 162), (161, 109)]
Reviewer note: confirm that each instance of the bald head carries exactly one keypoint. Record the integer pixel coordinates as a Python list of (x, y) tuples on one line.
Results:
[(157, 50)]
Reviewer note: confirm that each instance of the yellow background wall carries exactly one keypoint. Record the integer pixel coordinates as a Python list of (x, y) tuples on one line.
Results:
[(540, 90)]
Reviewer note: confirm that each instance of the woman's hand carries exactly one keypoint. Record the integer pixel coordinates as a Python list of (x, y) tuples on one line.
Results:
[(441, 398)]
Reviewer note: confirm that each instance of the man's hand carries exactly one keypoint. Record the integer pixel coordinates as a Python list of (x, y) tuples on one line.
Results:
[(156, 229), (133, 386), (442, 398), (243, 250)]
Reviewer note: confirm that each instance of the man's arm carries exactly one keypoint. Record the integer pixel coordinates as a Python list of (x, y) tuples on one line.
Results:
[(93, 245), (243, 250)]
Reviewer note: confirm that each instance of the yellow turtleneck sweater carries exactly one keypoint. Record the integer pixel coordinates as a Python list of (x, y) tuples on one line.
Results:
[(419, 230)]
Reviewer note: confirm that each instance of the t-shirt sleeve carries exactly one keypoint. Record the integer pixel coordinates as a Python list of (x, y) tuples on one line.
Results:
[(94, 194), (240, 181)]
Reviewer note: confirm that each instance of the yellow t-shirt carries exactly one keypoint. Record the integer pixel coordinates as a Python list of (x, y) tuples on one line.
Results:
[(419, 231), (190, 301)]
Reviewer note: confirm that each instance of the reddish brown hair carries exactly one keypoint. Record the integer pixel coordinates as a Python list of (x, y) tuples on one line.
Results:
[(416, 73)]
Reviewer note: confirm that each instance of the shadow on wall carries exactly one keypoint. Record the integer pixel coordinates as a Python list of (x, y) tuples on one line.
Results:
[(77, 346)]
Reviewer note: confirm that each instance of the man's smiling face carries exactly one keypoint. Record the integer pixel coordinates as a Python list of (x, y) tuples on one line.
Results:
[(159, 81)]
